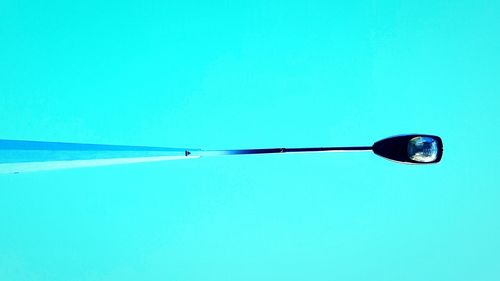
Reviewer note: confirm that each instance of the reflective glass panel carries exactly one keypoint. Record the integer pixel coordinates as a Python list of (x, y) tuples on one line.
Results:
[(423, 149)]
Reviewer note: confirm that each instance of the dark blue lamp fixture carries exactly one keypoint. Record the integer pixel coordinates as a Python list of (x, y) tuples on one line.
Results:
[(412, 149), (28, 156)]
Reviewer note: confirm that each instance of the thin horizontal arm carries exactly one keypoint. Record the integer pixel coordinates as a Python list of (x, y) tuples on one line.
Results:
[(281, 150)]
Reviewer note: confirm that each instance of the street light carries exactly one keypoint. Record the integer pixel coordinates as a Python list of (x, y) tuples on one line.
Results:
[(28, 156)]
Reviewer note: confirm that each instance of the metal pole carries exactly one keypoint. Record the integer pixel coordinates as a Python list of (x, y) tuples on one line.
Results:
[(278, 150), (28, 156)]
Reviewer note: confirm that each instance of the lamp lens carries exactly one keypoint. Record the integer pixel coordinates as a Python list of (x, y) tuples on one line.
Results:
[(423, 149)]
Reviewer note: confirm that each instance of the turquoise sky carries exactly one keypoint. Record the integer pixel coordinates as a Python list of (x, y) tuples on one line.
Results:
[(249, 74)]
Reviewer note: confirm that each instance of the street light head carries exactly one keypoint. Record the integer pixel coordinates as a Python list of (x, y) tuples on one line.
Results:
[(412, 149)]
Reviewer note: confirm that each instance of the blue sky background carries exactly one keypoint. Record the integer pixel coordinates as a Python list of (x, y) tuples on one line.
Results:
[(226, 74)]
